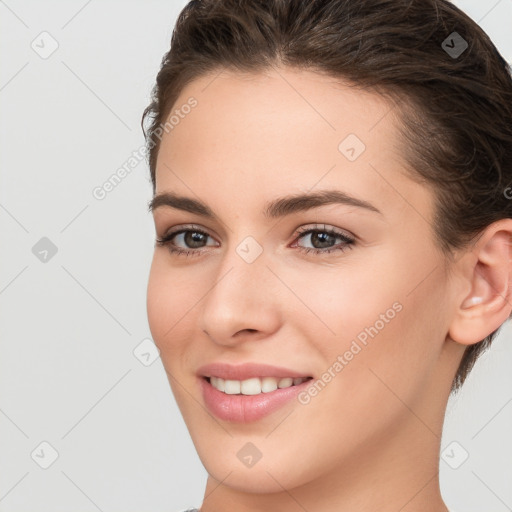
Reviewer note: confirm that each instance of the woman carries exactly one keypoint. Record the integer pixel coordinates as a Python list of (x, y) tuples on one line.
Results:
[(332, 208)]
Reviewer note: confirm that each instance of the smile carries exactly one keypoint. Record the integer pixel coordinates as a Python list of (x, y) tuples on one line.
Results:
[(255, 385), (237, 407)]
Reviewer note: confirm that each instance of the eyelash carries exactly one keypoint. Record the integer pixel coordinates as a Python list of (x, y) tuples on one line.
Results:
[(166, 241)]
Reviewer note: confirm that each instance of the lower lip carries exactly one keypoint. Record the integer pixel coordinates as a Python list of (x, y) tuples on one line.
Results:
[(247, 408)]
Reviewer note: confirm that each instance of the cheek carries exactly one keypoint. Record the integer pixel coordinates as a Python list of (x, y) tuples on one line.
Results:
[(374, 318), (169, 298), (402, 332), (345, 303), (157, 304)]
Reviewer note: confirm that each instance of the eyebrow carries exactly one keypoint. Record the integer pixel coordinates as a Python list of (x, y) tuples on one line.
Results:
[(276, 208)]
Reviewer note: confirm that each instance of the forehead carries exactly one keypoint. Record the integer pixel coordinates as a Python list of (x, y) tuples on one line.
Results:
[(285, 102), (284, 131)]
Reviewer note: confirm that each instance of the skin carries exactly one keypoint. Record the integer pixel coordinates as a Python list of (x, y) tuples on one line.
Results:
[(370, 440)]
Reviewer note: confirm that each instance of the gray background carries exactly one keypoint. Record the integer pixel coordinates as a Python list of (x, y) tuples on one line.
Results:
[(70, 324)]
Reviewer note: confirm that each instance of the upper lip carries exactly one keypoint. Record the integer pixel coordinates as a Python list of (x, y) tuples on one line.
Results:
[(246, 371)]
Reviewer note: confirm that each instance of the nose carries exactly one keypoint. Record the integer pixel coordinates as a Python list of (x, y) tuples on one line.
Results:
[(242, 301)]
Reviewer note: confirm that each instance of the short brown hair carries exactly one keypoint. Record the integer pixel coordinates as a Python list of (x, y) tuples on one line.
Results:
[(455, 110)]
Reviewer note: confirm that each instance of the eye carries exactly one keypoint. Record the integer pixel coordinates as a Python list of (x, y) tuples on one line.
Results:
[(322, 239), (192, 236), (195, 239)]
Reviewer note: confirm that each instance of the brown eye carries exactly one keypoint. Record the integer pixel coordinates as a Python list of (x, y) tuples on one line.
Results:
[(193, 239), (324, 240), (184, 241)]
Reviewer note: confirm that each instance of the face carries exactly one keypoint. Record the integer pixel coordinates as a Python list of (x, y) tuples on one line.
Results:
[(349, 292)]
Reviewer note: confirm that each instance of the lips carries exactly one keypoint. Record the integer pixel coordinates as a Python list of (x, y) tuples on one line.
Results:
[(240, 408), (247, 371)]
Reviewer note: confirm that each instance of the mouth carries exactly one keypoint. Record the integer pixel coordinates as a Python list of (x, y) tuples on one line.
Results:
[(254, 385), (252, 399)]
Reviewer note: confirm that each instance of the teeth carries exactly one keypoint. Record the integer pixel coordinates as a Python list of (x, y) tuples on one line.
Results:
[(217, 383), (250, 386), (285, 383), (268, 384), (255, 385), (232, 387)]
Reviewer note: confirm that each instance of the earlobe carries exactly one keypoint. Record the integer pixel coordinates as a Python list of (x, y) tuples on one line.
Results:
[(489, 301)]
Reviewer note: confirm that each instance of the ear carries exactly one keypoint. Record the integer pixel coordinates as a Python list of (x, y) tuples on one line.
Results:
[(487, 271)]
